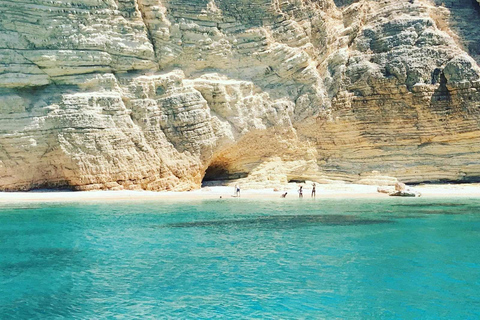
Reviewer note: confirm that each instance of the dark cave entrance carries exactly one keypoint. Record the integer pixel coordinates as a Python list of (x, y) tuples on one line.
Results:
[(215, 172), (297, 180), (441, 95), (218, 174)]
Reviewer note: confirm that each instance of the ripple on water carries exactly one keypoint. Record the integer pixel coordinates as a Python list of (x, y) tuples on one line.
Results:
[(241, 260)]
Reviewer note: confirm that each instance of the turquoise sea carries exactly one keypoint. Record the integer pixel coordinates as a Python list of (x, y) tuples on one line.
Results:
[(242, 259)]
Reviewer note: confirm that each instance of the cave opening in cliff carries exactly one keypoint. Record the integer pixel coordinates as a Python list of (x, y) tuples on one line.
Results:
[(296, 180), (442, 94), (219, 174)]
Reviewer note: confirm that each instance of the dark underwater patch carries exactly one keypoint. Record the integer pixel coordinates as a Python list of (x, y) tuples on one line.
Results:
[(40, 258), (426, 205), (404, 216), (284, 221), (444, 212), (439, 208), (22, 232)]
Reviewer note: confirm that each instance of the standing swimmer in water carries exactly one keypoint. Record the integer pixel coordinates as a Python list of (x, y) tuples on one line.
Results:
[(313, 190), (300, 192)]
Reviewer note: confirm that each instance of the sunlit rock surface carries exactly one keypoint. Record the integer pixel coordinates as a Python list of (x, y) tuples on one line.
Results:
[(160, 95)]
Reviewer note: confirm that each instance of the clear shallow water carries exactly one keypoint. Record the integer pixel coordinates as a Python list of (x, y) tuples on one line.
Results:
[(380, 259)]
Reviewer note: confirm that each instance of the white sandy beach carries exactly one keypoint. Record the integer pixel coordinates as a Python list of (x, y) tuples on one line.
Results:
[(323, 192)]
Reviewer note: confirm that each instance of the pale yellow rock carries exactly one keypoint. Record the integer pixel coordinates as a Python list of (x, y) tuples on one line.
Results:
[(158, 95), (375, 178)]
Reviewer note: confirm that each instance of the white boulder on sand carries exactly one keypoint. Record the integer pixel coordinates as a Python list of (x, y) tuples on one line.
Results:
[(401, 190)]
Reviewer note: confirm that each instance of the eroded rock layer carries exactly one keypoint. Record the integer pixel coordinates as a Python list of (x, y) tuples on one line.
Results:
[(160, 94)]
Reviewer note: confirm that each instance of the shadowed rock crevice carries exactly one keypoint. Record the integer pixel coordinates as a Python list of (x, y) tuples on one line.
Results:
[(148, 28), (296, 180), (460, 180), (344, 3), (464, 20), (442, 94)]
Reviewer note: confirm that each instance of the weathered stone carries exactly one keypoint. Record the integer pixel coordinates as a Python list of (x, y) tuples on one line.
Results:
[(154, 94)]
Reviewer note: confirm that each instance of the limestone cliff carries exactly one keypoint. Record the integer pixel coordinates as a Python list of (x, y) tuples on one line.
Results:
[(161, 94)]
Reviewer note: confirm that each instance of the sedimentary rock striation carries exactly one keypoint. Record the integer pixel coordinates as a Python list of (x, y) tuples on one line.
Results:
[(162, 94)]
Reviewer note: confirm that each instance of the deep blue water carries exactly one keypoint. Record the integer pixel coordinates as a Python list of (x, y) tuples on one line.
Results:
[(237, 259)]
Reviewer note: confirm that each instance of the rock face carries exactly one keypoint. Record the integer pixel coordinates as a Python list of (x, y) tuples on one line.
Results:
[(162, 94)]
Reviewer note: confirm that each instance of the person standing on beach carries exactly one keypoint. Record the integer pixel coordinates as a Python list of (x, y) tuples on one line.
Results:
[(313, 190), (238, 190), (300, 192)]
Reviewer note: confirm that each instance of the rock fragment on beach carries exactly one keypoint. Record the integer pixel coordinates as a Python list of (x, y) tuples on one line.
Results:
[(386, 190), (407, 193), (400, 187), (401, 190)]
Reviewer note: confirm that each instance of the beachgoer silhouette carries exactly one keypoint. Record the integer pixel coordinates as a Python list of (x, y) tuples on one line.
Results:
[(284, 195), (313, 191), (300, 192), (238, 191)]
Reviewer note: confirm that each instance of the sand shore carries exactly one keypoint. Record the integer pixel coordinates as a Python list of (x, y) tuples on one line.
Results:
[(323, 192)]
